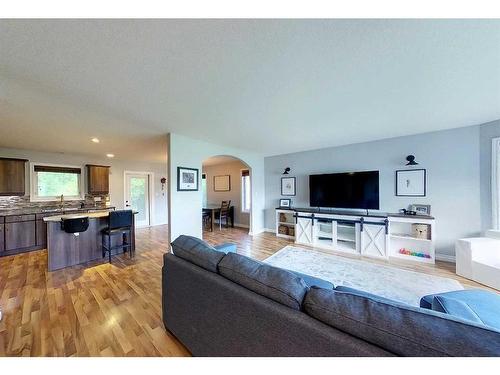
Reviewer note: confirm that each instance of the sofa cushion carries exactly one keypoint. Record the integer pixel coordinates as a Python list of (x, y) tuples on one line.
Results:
[(482, 304), (401, 329), (226, 247), (275, 283), (197, 252), (347, 289)]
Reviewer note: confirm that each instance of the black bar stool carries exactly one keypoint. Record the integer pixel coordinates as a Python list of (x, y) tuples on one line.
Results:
[(119, 223)]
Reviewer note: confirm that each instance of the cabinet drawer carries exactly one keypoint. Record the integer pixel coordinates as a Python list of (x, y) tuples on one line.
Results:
[(18, 218), (19, 235), (2, 219)]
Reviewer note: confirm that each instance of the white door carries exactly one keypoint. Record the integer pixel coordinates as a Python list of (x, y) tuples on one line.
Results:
[(137, 197), (304, 231), (374, 241)]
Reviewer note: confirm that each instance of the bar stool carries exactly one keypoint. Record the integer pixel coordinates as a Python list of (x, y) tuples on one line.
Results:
[(119, 223)]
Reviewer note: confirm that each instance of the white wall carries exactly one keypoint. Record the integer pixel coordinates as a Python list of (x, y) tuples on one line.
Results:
[(233, 169), (185, 207), (488, 131), (116, 183), (451, 158)]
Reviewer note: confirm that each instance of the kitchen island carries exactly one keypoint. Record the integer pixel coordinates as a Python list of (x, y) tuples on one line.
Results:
[(68, 249)]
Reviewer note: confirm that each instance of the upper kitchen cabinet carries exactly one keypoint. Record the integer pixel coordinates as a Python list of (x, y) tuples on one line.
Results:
[(98, 179), (12, 176)]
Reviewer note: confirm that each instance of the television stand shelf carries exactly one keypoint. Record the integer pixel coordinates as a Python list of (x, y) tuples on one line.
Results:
[(377, 235)]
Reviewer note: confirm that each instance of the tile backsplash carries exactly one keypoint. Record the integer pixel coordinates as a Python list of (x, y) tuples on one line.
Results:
[(19, 203)]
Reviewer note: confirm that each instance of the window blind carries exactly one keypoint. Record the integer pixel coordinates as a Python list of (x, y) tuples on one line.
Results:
[(47, 168)]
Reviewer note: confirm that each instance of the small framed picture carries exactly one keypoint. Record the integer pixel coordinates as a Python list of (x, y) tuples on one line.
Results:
[(288, 186), (421, 209), (222, 183), (411, 183), (187, 179), (285, 203)]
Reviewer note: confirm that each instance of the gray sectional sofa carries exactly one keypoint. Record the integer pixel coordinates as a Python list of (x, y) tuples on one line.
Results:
[(219, 303)]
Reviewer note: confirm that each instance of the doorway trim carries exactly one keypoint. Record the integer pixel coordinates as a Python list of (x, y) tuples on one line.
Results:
[(150, 192)]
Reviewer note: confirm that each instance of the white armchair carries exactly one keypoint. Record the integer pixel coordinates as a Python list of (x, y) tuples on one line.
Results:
[(478, 259)]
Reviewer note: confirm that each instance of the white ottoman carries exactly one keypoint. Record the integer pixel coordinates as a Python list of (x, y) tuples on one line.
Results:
[(478, 259)]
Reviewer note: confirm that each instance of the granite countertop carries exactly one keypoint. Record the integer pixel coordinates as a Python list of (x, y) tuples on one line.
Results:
[(90, 215), (39, 210)]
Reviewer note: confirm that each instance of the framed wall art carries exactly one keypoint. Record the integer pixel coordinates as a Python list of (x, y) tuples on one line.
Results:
[(187, 179), (288, 186), (411, 183), (222, 183)]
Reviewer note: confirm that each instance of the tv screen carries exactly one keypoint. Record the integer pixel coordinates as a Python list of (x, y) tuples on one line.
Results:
[(345, 190)]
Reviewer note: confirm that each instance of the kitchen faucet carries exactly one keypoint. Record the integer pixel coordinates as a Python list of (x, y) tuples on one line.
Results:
[(62, 202)]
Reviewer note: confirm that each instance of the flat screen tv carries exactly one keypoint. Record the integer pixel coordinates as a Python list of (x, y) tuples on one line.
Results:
[(345, 190)]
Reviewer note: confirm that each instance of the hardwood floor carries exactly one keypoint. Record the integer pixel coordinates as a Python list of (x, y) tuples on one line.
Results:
[(93, 310), (103, 309)]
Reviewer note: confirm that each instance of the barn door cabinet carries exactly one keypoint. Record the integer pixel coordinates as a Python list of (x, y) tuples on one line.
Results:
[(97, 179), (12, 176)]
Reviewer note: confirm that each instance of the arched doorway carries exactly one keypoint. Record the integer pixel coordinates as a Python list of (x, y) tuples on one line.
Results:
[(226, 178)]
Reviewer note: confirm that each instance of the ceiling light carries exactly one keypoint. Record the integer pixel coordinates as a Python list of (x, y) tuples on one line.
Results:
[(110, 155), (95, 140)]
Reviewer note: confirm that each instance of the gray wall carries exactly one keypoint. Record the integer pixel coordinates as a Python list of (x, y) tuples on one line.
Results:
[(488, 131), (451, 158), (232, 169)]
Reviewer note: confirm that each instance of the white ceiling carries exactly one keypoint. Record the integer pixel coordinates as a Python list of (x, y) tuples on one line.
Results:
[(272, 86)]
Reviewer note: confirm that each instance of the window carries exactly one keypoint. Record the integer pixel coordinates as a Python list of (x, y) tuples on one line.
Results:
[(495, 182), (204, 189), (49, 182), (245, 191)]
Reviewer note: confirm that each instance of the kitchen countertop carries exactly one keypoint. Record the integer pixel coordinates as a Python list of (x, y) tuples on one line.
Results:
[(90, 215), (33, 211)]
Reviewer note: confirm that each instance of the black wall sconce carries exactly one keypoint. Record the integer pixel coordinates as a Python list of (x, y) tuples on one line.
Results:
[(287, 170), (411, 160)]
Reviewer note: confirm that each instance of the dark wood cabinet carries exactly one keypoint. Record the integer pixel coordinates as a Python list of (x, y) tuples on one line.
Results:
[(19, 235), (2, 237), (12, 176), (41, 234), (98, 179)]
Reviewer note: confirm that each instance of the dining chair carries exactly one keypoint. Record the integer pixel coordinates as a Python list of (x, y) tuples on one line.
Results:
[(224, 213), (206, 216)]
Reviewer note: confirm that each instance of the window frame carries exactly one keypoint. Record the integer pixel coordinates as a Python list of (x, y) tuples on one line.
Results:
[(204, 194), (34, 183), (243, 190), (495, 184)]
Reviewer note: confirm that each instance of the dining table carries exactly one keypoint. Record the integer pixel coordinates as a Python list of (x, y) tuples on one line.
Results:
[(213, 208)]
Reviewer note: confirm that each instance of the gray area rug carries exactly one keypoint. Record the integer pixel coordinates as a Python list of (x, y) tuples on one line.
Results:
[(386, 281)]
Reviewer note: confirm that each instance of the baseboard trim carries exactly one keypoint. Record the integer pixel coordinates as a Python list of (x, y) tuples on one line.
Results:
[(239, 225), (445, 258), (158, 224)]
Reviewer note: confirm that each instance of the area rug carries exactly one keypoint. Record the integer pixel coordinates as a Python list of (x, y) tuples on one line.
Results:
[(386, 281)]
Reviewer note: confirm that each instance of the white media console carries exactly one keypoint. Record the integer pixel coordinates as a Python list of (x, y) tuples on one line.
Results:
[(377, 236)]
